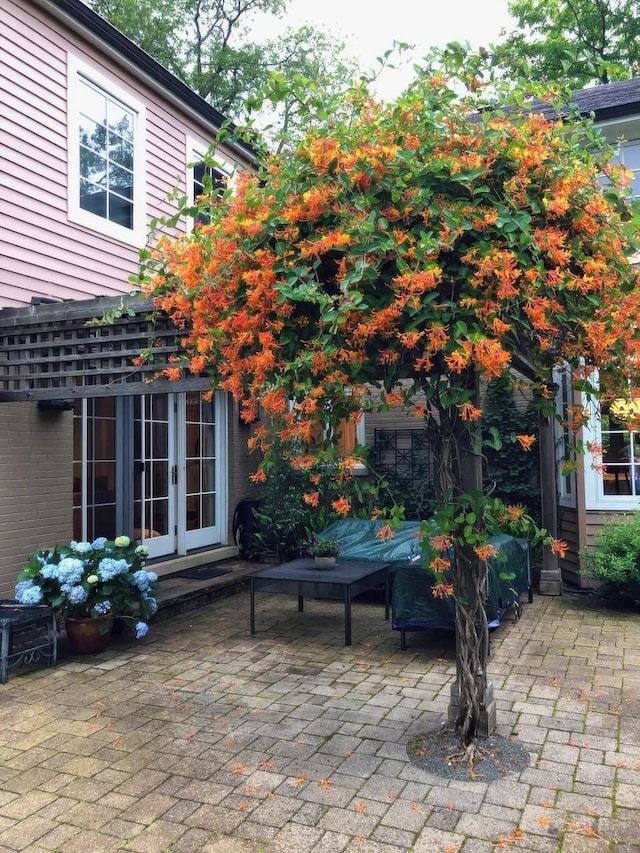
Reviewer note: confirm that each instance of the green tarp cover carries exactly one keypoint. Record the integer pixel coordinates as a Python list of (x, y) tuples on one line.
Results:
[(413, 604)]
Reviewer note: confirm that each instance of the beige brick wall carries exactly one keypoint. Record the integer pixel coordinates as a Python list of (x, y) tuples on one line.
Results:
[(35, 485)]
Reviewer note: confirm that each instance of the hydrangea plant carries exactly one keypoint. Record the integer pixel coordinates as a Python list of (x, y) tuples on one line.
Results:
[(90, 579)]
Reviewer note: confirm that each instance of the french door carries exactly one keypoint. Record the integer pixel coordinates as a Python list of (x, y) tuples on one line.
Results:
[(153, 466)]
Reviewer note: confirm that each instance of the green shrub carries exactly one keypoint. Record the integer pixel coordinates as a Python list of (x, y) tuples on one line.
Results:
[(615, 558)]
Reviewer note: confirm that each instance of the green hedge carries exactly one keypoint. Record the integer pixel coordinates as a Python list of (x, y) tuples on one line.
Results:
[(615, 558)]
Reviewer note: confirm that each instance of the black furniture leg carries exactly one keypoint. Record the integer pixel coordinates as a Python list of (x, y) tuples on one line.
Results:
[(347, 615)]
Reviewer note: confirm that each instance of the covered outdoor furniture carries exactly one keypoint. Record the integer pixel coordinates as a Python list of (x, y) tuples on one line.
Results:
[(413, 605)]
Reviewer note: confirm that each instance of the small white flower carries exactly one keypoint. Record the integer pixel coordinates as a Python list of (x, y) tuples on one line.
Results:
[(122, 541), (93, 579)]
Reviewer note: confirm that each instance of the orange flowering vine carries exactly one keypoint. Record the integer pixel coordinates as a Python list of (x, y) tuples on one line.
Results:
[(414, 249), (442, 590), (342, 506), (526, 441)]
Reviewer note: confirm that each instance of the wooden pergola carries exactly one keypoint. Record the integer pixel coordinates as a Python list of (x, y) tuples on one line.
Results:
[(56, 351)]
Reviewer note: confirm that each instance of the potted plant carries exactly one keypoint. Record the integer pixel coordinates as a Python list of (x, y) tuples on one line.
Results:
[(323, 551), (88, 584)]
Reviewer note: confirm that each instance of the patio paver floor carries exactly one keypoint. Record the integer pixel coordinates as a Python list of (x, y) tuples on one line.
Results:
[(202, 738)]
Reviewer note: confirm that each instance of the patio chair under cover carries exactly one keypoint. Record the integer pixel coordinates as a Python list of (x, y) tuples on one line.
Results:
[(413, 606)]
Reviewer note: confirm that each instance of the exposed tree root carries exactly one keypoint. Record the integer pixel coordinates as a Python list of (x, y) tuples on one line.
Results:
[(471, 754)]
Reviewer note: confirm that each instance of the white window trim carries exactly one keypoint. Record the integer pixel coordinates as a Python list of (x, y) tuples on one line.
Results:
[(137, 236), (595, 497), (196, 149)]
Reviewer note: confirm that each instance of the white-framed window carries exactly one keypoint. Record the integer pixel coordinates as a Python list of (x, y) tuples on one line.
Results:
[(565, 476), (106, 156), (206, 169), (612, 478), (629, 155)]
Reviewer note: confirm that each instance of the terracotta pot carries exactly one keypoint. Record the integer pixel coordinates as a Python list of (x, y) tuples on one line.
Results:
[(88, 636)]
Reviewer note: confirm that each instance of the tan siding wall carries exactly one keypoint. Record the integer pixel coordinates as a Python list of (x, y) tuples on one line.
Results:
[(395, 419), (241, 463), (568, 531), (35, 485)]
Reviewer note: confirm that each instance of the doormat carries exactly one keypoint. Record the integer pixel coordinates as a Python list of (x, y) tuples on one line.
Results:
[(203, 573)]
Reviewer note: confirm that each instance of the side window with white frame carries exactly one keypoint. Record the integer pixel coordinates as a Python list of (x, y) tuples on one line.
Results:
[(629, 156), (565, 472), (207, 172), (106, 156), (612, 475)]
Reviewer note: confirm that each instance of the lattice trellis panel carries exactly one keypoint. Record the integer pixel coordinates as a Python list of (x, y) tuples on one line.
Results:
[(49, 351)]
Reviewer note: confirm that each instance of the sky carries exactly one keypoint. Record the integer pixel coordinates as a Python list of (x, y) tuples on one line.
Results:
[(369, 27)]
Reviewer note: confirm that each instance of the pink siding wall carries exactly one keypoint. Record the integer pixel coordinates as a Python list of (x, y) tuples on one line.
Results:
[(41, 252)]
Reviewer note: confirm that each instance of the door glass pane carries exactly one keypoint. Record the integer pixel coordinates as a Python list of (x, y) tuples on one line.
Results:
[(151, 466), (209, 476), (200, 449), (193, 512), (193, 477), (208, 441), (160, 479), (208, 510), (193, 440)]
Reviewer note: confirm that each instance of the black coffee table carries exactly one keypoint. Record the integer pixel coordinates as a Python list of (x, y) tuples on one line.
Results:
[(341, 582)]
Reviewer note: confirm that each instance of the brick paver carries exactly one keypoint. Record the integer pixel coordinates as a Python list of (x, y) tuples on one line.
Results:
[(202, 738)]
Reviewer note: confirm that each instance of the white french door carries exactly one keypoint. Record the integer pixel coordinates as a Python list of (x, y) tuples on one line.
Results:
[(153, 466)]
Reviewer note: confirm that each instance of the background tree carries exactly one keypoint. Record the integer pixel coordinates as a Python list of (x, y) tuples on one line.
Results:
[(413, 248), (209, 45), (577, 41)]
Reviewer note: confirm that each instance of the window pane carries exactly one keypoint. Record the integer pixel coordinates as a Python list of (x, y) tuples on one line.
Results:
[(92, 134), (120, 151), (120, 181), (120, 211), (120, 120), (93, 198), (94, 103)]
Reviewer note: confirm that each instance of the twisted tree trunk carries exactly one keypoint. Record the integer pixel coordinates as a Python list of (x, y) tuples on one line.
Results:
[(457, 447)]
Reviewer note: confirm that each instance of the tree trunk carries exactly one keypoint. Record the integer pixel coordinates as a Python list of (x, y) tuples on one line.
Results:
[(472, 711)]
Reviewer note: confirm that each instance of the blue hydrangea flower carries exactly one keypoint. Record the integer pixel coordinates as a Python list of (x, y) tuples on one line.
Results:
[(28, 593), (49, 571), (108, 568), (142, 579), (77, 595), (102, 608), (142, 629), (150, 601), (81, 547), (99, 543), (70, 570)]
